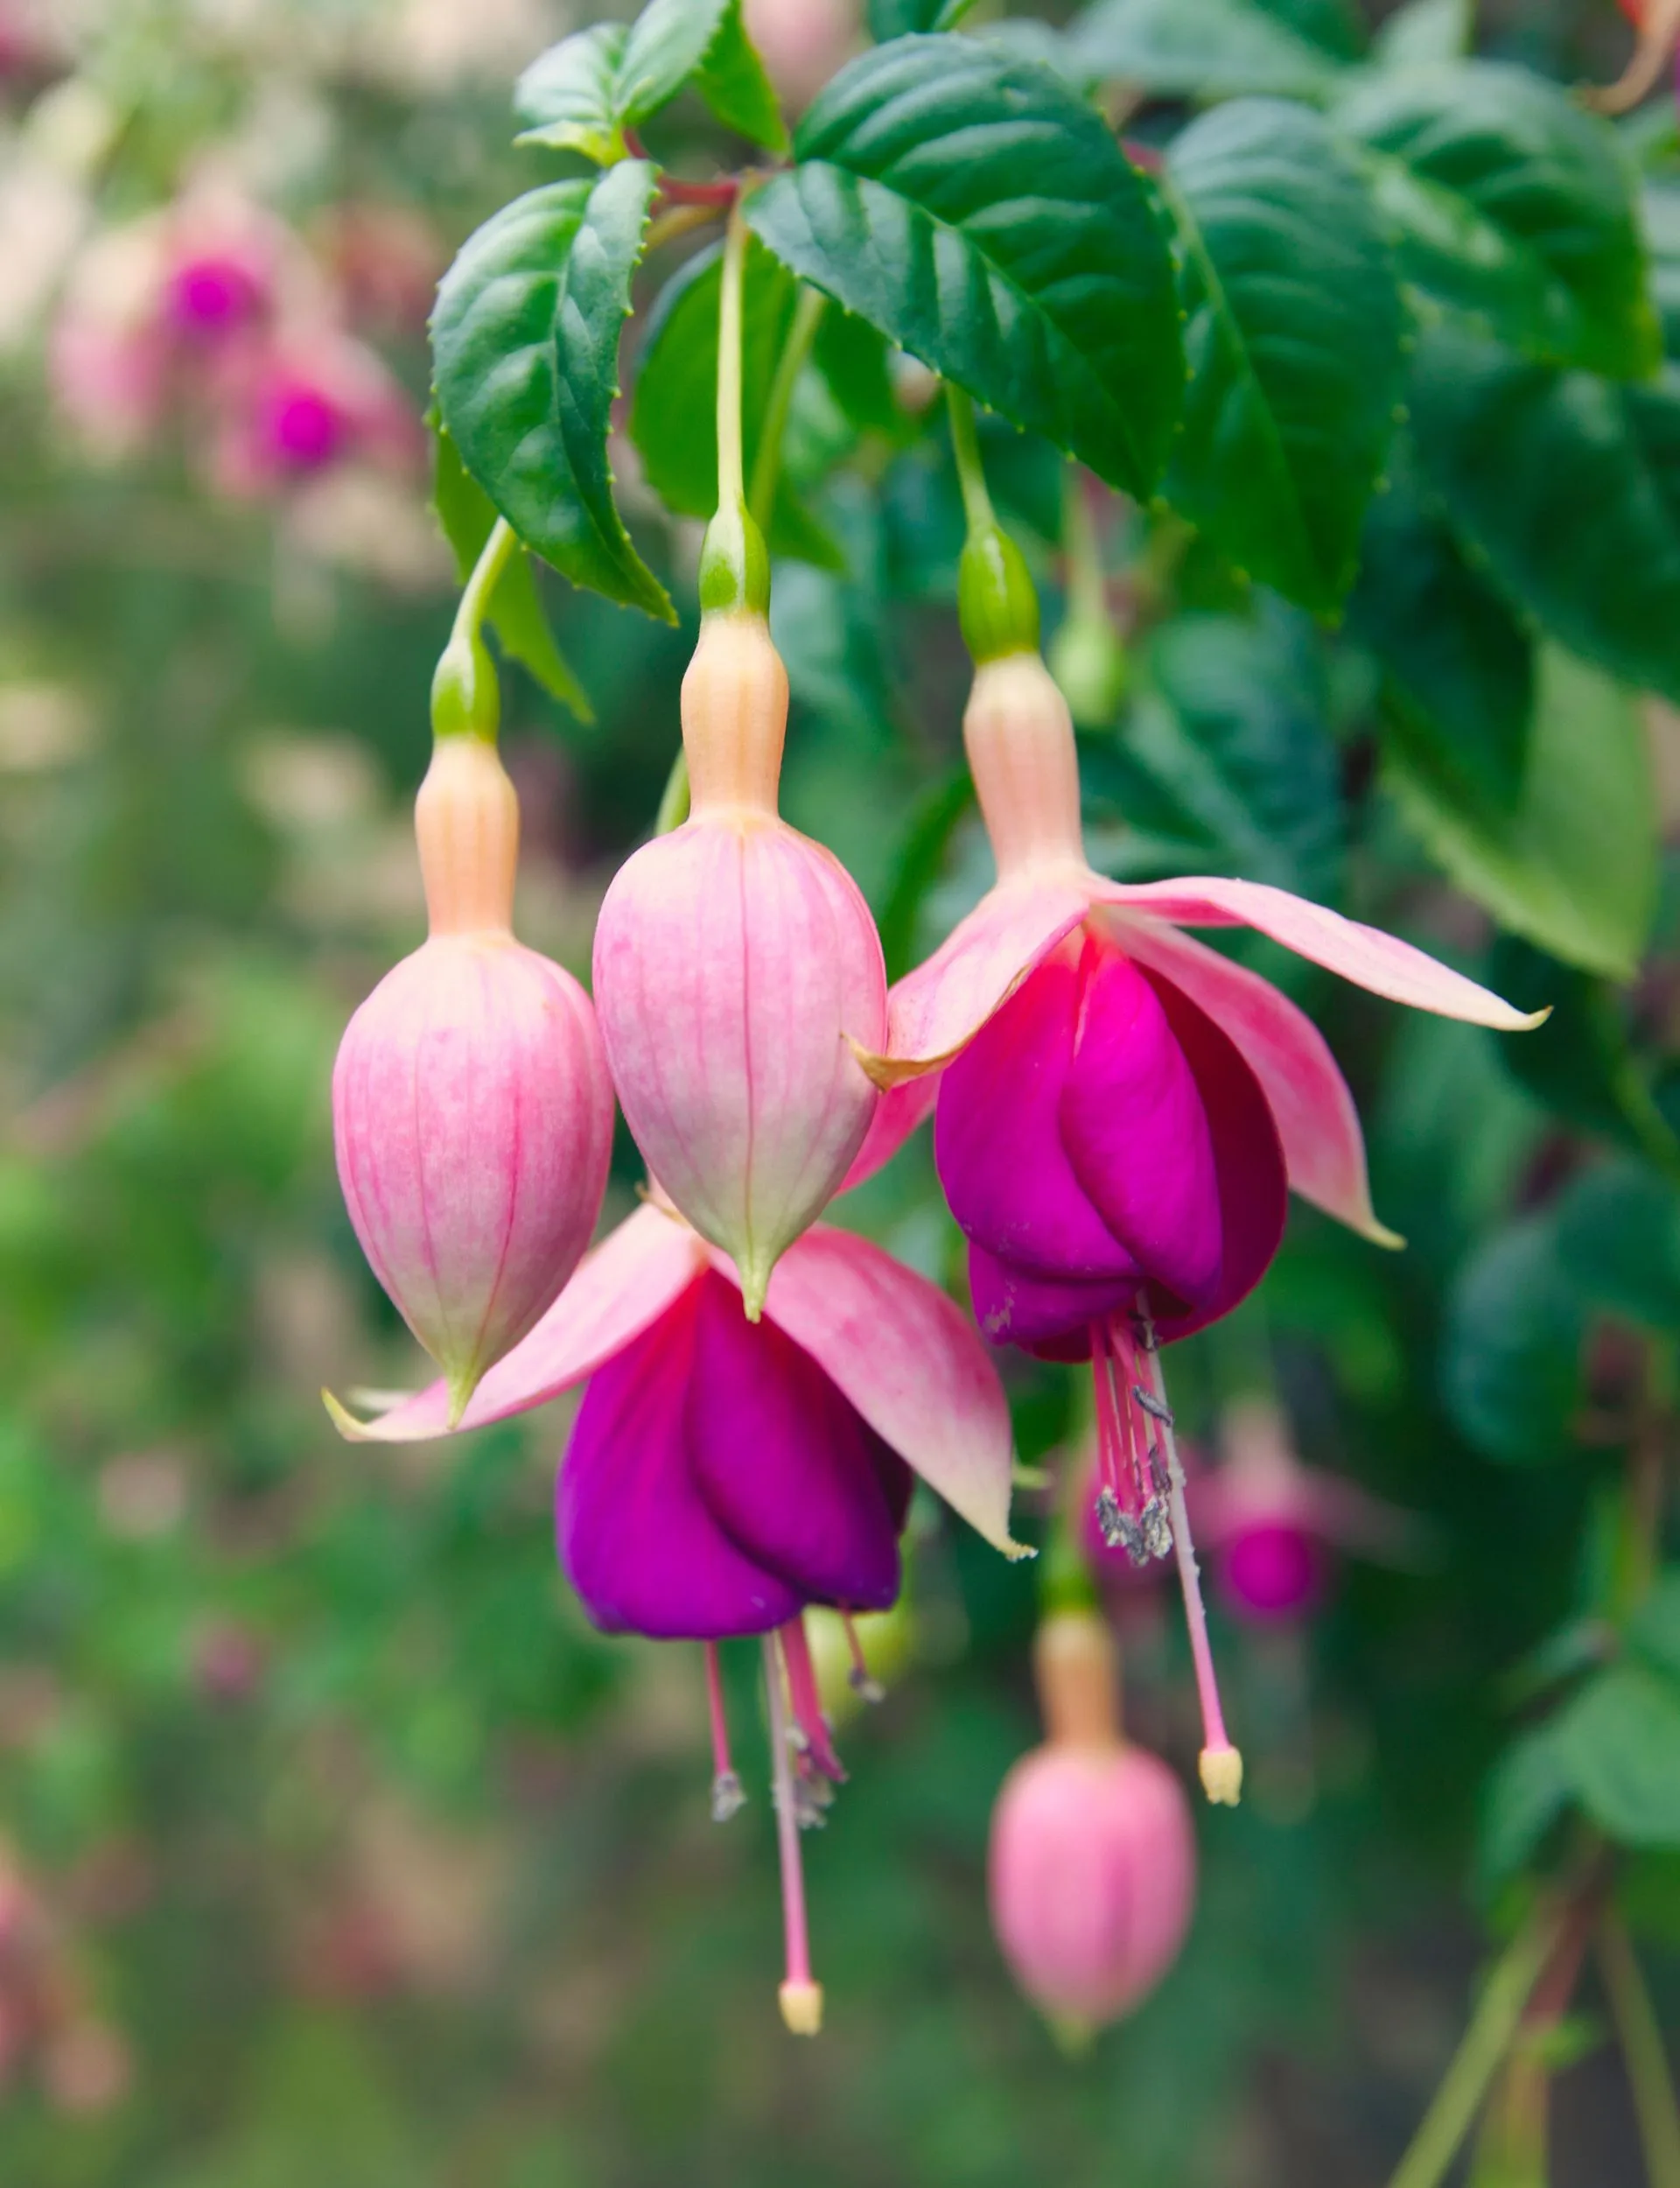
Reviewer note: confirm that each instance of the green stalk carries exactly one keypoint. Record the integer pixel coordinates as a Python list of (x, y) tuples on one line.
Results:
[(734, 569), (995, 603), (1640, 2038), (766, 464), (970, 472), (1493, 2028), (466, 696)]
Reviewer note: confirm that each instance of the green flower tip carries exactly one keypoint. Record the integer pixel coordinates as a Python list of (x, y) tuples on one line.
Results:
[(734, 565), (995, 603), (466, 695), (1088, 663)]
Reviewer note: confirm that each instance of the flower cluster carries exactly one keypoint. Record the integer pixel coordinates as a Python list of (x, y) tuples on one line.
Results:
[(1119, 1113)]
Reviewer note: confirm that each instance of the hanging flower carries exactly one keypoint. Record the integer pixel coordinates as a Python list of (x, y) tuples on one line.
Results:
[(1093, 1861), (722, 1476)]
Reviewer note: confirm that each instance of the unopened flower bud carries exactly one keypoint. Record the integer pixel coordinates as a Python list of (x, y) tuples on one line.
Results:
[(736, 967), (471, 1106), (1088, 664)]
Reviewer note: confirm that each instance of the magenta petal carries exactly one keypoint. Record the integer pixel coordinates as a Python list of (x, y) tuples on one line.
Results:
[(637, 1539), (1135, 1135), (1247, 1161), (786, 1465), (1053, 1320), (997, 1137)]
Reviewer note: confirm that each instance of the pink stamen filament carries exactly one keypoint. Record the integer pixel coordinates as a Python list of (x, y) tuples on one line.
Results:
[(726, 1794), (862, 1681), (807, 1702), (801, 1998), (1221, 1765)]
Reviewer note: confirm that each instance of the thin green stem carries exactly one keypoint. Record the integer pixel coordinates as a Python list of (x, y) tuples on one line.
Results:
[(494, 558), (731, 490), (1087, 589), (970, 472), (1486, 2041), (466, 697), (1642, 2049), (766, 464)]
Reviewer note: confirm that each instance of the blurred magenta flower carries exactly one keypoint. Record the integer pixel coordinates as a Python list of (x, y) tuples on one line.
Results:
[(471, 1107), (724, 1474), (1121, 1110), (1093, 1863), (1272, 1526), (736, 969)]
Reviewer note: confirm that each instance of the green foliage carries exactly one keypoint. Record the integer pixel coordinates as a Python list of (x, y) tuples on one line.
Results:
[(1203, 48), (525, 341), (1293, 338), (1510, 1356), (584, 94), (1056, 309)]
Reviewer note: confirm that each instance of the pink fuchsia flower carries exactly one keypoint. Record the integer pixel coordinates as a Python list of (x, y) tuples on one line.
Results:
[(1272, 1526), (724, 1474), (737, 971), (1121, 1110), (472, 1108), (1093, 1863), (303, 403)]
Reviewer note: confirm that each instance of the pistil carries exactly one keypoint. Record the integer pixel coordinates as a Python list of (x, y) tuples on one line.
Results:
[(801, 1996)]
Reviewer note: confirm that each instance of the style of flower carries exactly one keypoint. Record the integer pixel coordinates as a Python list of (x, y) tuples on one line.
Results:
[(1121, 1110), (722, 1475), (1092, 1864)]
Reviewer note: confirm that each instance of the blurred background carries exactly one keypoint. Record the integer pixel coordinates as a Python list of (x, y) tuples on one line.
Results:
[(335, 1846)]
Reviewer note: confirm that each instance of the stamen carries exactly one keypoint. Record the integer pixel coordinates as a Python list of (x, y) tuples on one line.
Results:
[(727, 1796), (859, 1679), (801, 1997), (809, 1733), (1220, 1764)]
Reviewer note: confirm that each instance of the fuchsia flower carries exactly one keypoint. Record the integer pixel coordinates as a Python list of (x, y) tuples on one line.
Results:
[(1272, 1526), (1121, 1110), (471, 1103), (736, 969), (1093, 1859), (722, 1475)]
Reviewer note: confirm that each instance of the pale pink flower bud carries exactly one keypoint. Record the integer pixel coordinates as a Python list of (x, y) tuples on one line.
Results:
[(736, 965), (470, 1101), (1093, 1865)]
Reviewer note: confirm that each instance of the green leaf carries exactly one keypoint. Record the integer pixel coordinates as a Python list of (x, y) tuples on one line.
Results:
[(1653, 1632), (525, 343), (1568, 486), (674, 420), (1527, 1791), (515, 611), (1511, 203), (1619, 1742), (1424, 32), (1580, 1062), (1454, 655), (582, 94), (1619, 1234), (897, 19), (1202, 49), (980, 214), (918, 863), (1511, 1364), (1294, 342), (1242, 749), (1574, 866), (1660, 209)]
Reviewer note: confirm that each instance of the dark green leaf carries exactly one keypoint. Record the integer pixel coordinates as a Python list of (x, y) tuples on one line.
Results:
[(584, 93), (1512, 202), (1455, 656), (515, 610), (1293, 337), (919, 862), (1510, 1366), (1241, 747), (1619, 1234), (1574, 866), (1619, 1742), (1527, 1791), (525, 342), (979, 213), (852, 357), (1203, 49), (1653, 1632), (1423, 33), (1580, 1064), (674, 421), (897, 19), (1660, 204)]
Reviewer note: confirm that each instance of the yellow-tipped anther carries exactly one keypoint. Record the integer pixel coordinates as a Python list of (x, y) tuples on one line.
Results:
[(1222, 1776), (802, 2008)]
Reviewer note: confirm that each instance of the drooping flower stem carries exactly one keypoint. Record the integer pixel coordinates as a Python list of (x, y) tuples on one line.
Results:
[(801, 1997), (734, 568), (1220, 1764), (1642, 2053), (466, 697), (767, 463), (1498, 2016), (970, 472)]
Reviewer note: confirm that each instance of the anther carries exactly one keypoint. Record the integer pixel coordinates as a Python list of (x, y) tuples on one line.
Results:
[(867, 1687), (727, 1796), (1109, 1517), (1152, 1406), (1156, 1528)]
